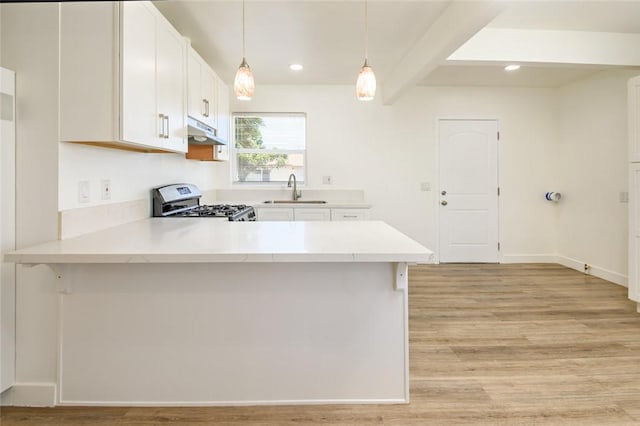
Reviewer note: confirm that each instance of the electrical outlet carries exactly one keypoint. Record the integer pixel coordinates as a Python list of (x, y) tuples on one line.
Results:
[(327, 180), (105, 189), (425, 186), (84, 191)]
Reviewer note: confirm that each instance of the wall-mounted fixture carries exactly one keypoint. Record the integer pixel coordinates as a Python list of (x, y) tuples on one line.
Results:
[(243, 84), (553, 196), (512, 67), (366, 83)]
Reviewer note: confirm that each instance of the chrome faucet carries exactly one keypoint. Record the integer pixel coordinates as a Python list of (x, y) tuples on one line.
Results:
[(296, 194)]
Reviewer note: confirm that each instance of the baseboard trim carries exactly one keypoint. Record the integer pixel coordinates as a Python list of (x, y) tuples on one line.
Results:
[(596, 271), (529, 258), (233, 403), (30, 395)]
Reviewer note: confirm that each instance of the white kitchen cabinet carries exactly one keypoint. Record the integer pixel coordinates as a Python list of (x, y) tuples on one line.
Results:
[(271, 214), (349, 214), (209, 152), (171, 80), (311, 214), (224, 121), (122, 77), (202, 90)]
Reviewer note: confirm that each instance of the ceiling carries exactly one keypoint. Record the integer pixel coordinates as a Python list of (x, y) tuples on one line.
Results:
[(327, 37)]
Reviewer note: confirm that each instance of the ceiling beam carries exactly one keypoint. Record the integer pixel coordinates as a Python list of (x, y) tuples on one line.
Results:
[(457, 24), (547, 46)]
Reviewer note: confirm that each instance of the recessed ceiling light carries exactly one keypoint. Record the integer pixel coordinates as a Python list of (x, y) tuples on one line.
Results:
[(512, 67), (295, 67)]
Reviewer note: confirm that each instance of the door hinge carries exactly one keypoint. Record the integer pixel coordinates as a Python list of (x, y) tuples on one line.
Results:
[(498, 135), (498, 191), (498, 246)]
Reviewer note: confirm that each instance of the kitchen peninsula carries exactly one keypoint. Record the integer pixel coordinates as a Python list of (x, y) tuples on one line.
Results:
[(177, 311)]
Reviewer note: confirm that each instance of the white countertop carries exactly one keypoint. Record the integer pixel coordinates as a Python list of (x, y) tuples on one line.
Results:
[(204, 240)]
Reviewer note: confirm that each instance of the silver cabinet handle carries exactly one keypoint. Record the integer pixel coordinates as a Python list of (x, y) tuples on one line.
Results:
[(166, 136), (444, 202), (352, 216), (161, 116), (206, 107)]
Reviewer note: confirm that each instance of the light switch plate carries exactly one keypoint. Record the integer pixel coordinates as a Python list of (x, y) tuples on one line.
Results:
[(327, 180), (84, 191), (105, 189)]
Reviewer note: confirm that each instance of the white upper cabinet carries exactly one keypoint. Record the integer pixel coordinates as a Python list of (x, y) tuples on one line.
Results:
[(224, 118), (633, 98), (139, 98), (122, 77), (202, 92), (171, 81)]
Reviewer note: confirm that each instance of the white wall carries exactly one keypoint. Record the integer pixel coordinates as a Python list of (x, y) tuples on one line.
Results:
[(389, 150), (34, 59), (592, 152), (132, 174)]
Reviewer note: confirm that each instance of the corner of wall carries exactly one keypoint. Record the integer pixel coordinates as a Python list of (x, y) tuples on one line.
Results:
[(30, 395)]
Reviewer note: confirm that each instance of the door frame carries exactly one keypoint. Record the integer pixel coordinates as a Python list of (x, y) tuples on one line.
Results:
[(436, 198)]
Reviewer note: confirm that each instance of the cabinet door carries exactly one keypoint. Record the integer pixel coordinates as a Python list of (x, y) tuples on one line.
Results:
[(208, 81), (633, 111), (171, 86), (634, 232), (349, 214), (224, 121), (307, 215), (194, 86), (264, 215), (223, 111), (139, 119)]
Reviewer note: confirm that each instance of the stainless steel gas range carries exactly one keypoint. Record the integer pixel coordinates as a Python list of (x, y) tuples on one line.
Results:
[(183, 200)]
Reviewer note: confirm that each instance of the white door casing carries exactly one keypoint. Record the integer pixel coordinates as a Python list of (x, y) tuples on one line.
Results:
[(468, 191), (7, 228)]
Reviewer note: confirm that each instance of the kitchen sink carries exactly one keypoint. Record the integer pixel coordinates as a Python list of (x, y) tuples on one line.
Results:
[(295, 202)]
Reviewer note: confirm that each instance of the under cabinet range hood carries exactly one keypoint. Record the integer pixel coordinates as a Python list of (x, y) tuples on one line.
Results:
[(201, 134)]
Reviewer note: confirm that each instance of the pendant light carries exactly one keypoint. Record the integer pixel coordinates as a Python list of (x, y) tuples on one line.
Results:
[(366, 84), (243, 84)]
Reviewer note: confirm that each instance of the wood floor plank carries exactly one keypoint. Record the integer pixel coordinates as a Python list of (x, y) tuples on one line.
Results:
[(489, 345)]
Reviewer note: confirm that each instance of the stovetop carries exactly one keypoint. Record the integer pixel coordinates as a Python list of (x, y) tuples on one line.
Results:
[(219, 210), (183, 200)]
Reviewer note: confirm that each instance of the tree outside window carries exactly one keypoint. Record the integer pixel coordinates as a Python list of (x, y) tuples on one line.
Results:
[(269, 147)]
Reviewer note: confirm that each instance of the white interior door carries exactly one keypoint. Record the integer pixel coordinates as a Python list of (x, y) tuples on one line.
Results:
[(7, 227), (468, 193)]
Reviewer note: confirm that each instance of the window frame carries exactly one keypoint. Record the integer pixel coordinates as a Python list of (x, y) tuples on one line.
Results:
[(233, 158)]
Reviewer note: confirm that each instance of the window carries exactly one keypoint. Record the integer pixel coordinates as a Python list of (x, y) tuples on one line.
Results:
[(269, 147)]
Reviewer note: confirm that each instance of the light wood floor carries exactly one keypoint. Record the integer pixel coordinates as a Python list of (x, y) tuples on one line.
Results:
[(490, 344)]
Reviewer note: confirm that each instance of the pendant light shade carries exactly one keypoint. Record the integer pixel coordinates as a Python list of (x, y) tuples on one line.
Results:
[(366, 83), (243, 85)]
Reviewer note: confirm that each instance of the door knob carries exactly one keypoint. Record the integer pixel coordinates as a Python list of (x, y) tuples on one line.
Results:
[(444, 202), (444, 192)]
